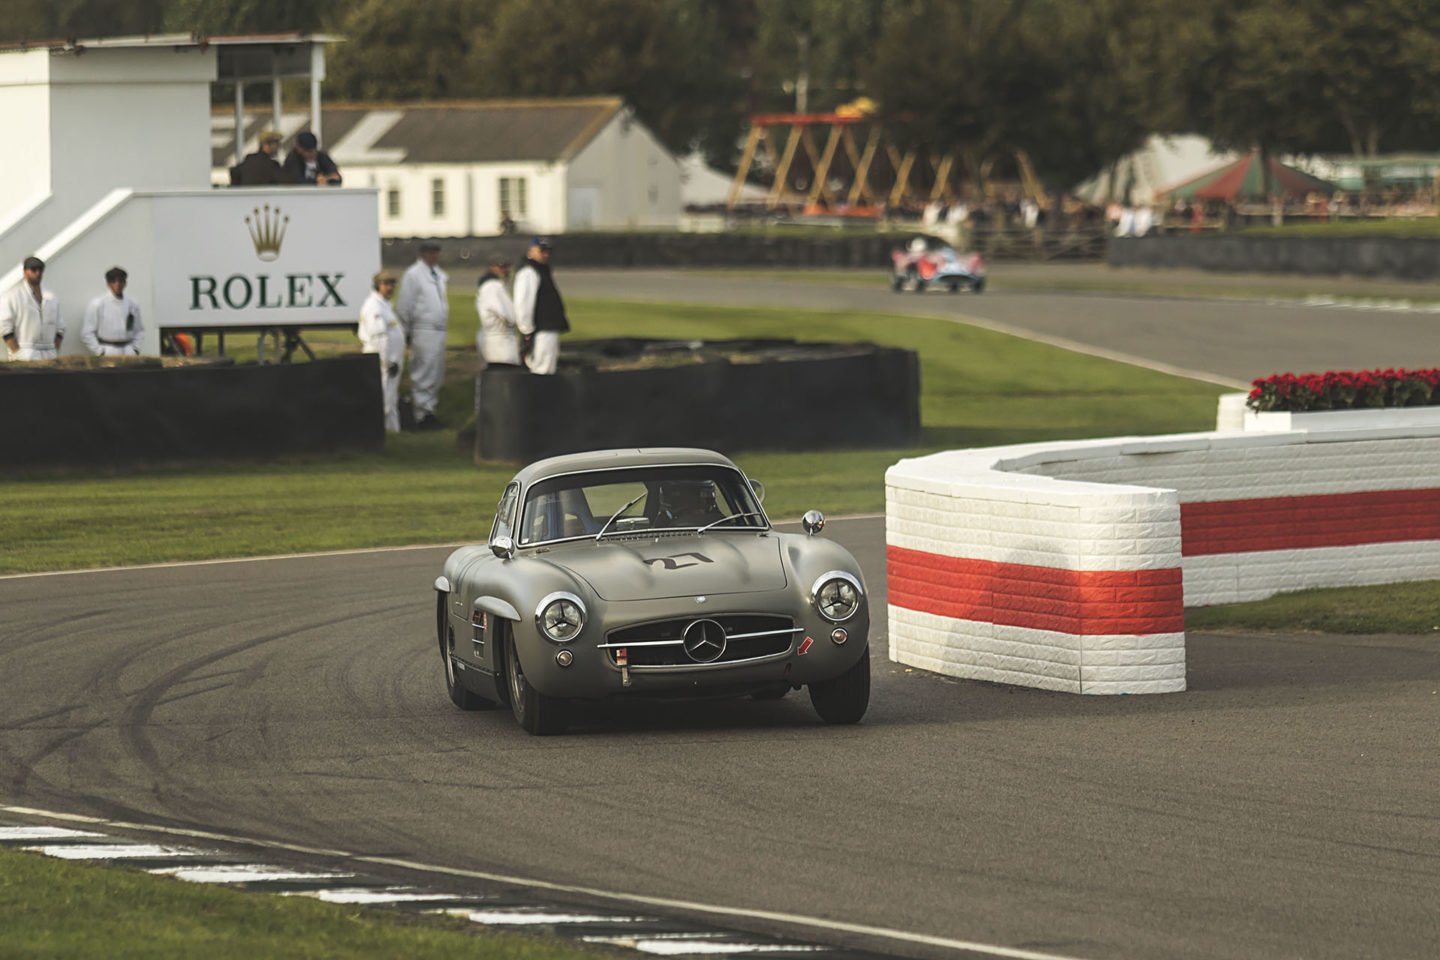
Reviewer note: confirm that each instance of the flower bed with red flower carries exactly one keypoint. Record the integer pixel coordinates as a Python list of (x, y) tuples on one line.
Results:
[(1345, 390)]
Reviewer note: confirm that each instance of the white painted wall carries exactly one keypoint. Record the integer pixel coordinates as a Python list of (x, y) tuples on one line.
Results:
[(634, 180), (114, 118), (25, 105), (162, 238), (472, 197)]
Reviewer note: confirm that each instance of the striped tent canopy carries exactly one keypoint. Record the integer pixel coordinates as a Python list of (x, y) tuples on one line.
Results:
[(1241, 179)]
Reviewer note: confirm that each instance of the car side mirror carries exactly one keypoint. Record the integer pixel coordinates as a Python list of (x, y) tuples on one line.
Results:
[(503, 547), (813, 522), (759, 489)]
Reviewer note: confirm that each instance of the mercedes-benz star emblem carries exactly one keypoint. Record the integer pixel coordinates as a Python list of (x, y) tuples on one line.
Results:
[(704, 641)]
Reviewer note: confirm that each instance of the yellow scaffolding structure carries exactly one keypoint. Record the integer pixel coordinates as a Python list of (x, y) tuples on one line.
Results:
[(910, 180)]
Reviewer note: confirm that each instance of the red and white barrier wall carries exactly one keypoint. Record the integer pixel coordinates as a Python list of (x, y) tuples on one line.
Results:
[(1068, 566)]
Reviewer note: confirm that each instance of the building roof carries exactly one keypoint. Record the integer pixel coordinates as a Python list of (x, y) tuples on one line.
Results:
[(169, 40), (460, 131)]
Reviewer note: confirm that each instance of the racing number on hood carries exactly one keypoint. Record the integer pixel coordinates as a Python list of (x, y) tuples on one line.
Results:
[(672, 563)]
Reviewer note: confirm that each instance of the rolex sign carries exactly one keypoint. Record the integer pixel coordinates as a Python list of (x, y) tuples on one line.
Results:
[(246, 257)]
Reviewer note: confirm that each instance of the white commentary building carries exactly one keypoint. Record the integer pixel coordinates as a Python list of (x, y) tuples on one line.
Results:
[(455, 168)]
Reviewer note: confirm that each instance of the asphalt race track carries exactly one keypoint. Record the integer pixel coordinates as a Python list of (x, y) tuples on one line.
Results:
[(1231, 341), (1283, 807)]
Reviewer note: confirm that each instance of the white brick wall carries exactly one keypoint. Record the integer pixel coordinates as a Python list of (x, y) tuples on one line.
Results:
[(1097, 509)]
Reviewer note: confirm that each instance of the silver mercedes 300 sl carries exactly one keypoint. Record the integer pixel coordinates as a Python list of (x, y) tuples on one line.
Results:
[(648, 573)]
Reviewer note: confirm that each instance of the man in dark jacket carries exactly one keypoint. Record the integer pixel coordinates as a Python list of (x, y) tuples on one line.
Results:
[(260, 169), (308, 164), (539, 311)]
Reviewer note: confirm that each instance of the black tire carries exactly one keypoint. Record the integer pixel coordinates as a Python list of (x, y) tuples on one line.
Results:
[(536, 713), (460, 695), (776, 692), (845, 698), (978, 286), (919, 283), (897, 282)]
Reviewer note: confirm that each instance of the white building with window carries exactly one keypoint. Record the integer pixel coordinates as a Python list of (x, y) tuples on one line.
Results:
[(459, 168)]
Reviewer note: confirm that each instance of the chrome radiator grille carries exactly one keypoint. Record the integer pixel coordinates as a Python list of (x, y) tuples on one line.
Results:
[(695, 641)]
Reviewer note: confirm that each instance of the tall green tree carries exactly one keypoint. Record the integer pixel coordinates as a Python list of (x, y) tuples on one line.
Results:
[(665, 57), (814, 55), (79, 19), (219, 17), (408, 49), (972, 76), (1104, 100)]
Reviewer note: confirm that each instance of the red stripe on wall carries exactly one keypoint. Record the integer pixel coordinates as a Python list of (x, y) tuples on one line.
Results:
[(1299, 523), (1081, 602)]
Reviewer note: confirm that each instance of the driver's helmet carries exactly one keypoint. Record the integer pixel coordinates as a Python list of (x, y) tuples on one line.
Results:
[(688, 502), (917, 245)]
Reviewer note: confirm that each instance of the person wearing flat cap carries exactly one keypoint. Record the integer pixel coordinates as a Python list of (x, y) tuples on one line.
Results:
[(496, 337), (380, 332), (261, 169), (30, 321), (424, 311), (539, 311), (308, 165), (112, 325)]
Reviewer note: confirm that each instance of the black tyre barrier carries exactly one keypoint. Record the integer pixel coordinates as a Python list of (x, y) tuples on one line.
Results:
[(147, 413), (1406, 258), (868, 251), (779, 395)]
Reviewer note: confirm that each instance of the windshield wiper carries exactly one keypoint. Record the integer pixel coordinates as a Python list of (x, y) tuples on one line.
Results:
[(733, 516), (616, 515)]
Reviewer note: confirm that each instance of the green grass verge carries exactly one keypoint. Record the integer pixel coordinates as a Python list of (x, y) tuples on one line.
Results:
[(56, 908), (979, 388), (1418, 227), (1409, 608)]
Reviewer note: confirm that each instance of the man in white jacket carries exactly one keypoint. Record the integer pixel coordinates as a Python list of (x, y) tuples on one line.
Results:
[(30, 320), (424, 310), (112, 321), (380, 333), (496, 336)]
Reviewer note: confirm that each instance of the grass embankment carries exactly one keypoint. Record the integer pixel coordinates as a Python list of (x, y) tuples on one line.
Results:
[(1390, 227), (979, 388), (1408, 608), (55, 908)]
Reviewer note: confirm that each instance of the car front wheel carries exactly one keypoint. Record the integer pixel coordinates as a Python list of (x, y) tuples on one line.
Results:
[(460, 695), (845, 698), (535, 712)]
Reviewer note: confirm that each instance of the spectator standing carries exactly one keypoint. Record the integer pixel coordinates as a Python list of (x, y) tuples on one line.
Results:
[(30, 321), (261, 169), (496, 337), (308, 165), (112, 325), (380, 333), (539, 311), (424, 311)]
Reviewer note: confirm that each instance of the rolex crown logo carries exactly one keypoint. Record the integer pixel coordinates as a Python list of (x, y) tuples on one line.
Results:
[(267, 232)]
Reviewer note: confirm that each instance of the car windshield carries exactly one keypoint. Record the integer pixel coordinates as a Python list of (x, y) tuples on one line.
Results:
[(665, 498)]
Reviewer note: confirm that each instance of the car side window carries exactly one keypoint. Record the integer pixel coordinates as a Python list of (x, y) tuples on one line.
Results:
[(504, 525)]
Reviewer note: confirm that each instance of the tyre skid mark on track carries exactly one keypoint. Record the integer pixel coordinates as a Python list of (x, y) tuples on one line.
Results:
[(25, 768), (689, 942), (135, 719)]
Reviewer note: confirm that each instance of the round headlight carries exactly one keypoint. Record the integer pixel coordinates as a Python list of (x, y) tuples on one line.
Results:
[(560, 617), (837, 596)]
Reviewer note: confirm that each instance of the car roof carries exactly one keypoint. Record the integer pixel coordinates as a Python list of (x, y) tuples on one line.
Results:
[(619, 459)]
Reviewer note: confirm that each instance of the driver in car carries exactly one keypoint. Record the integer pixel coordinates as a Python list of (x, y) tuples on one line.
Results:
[(688, 503)]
